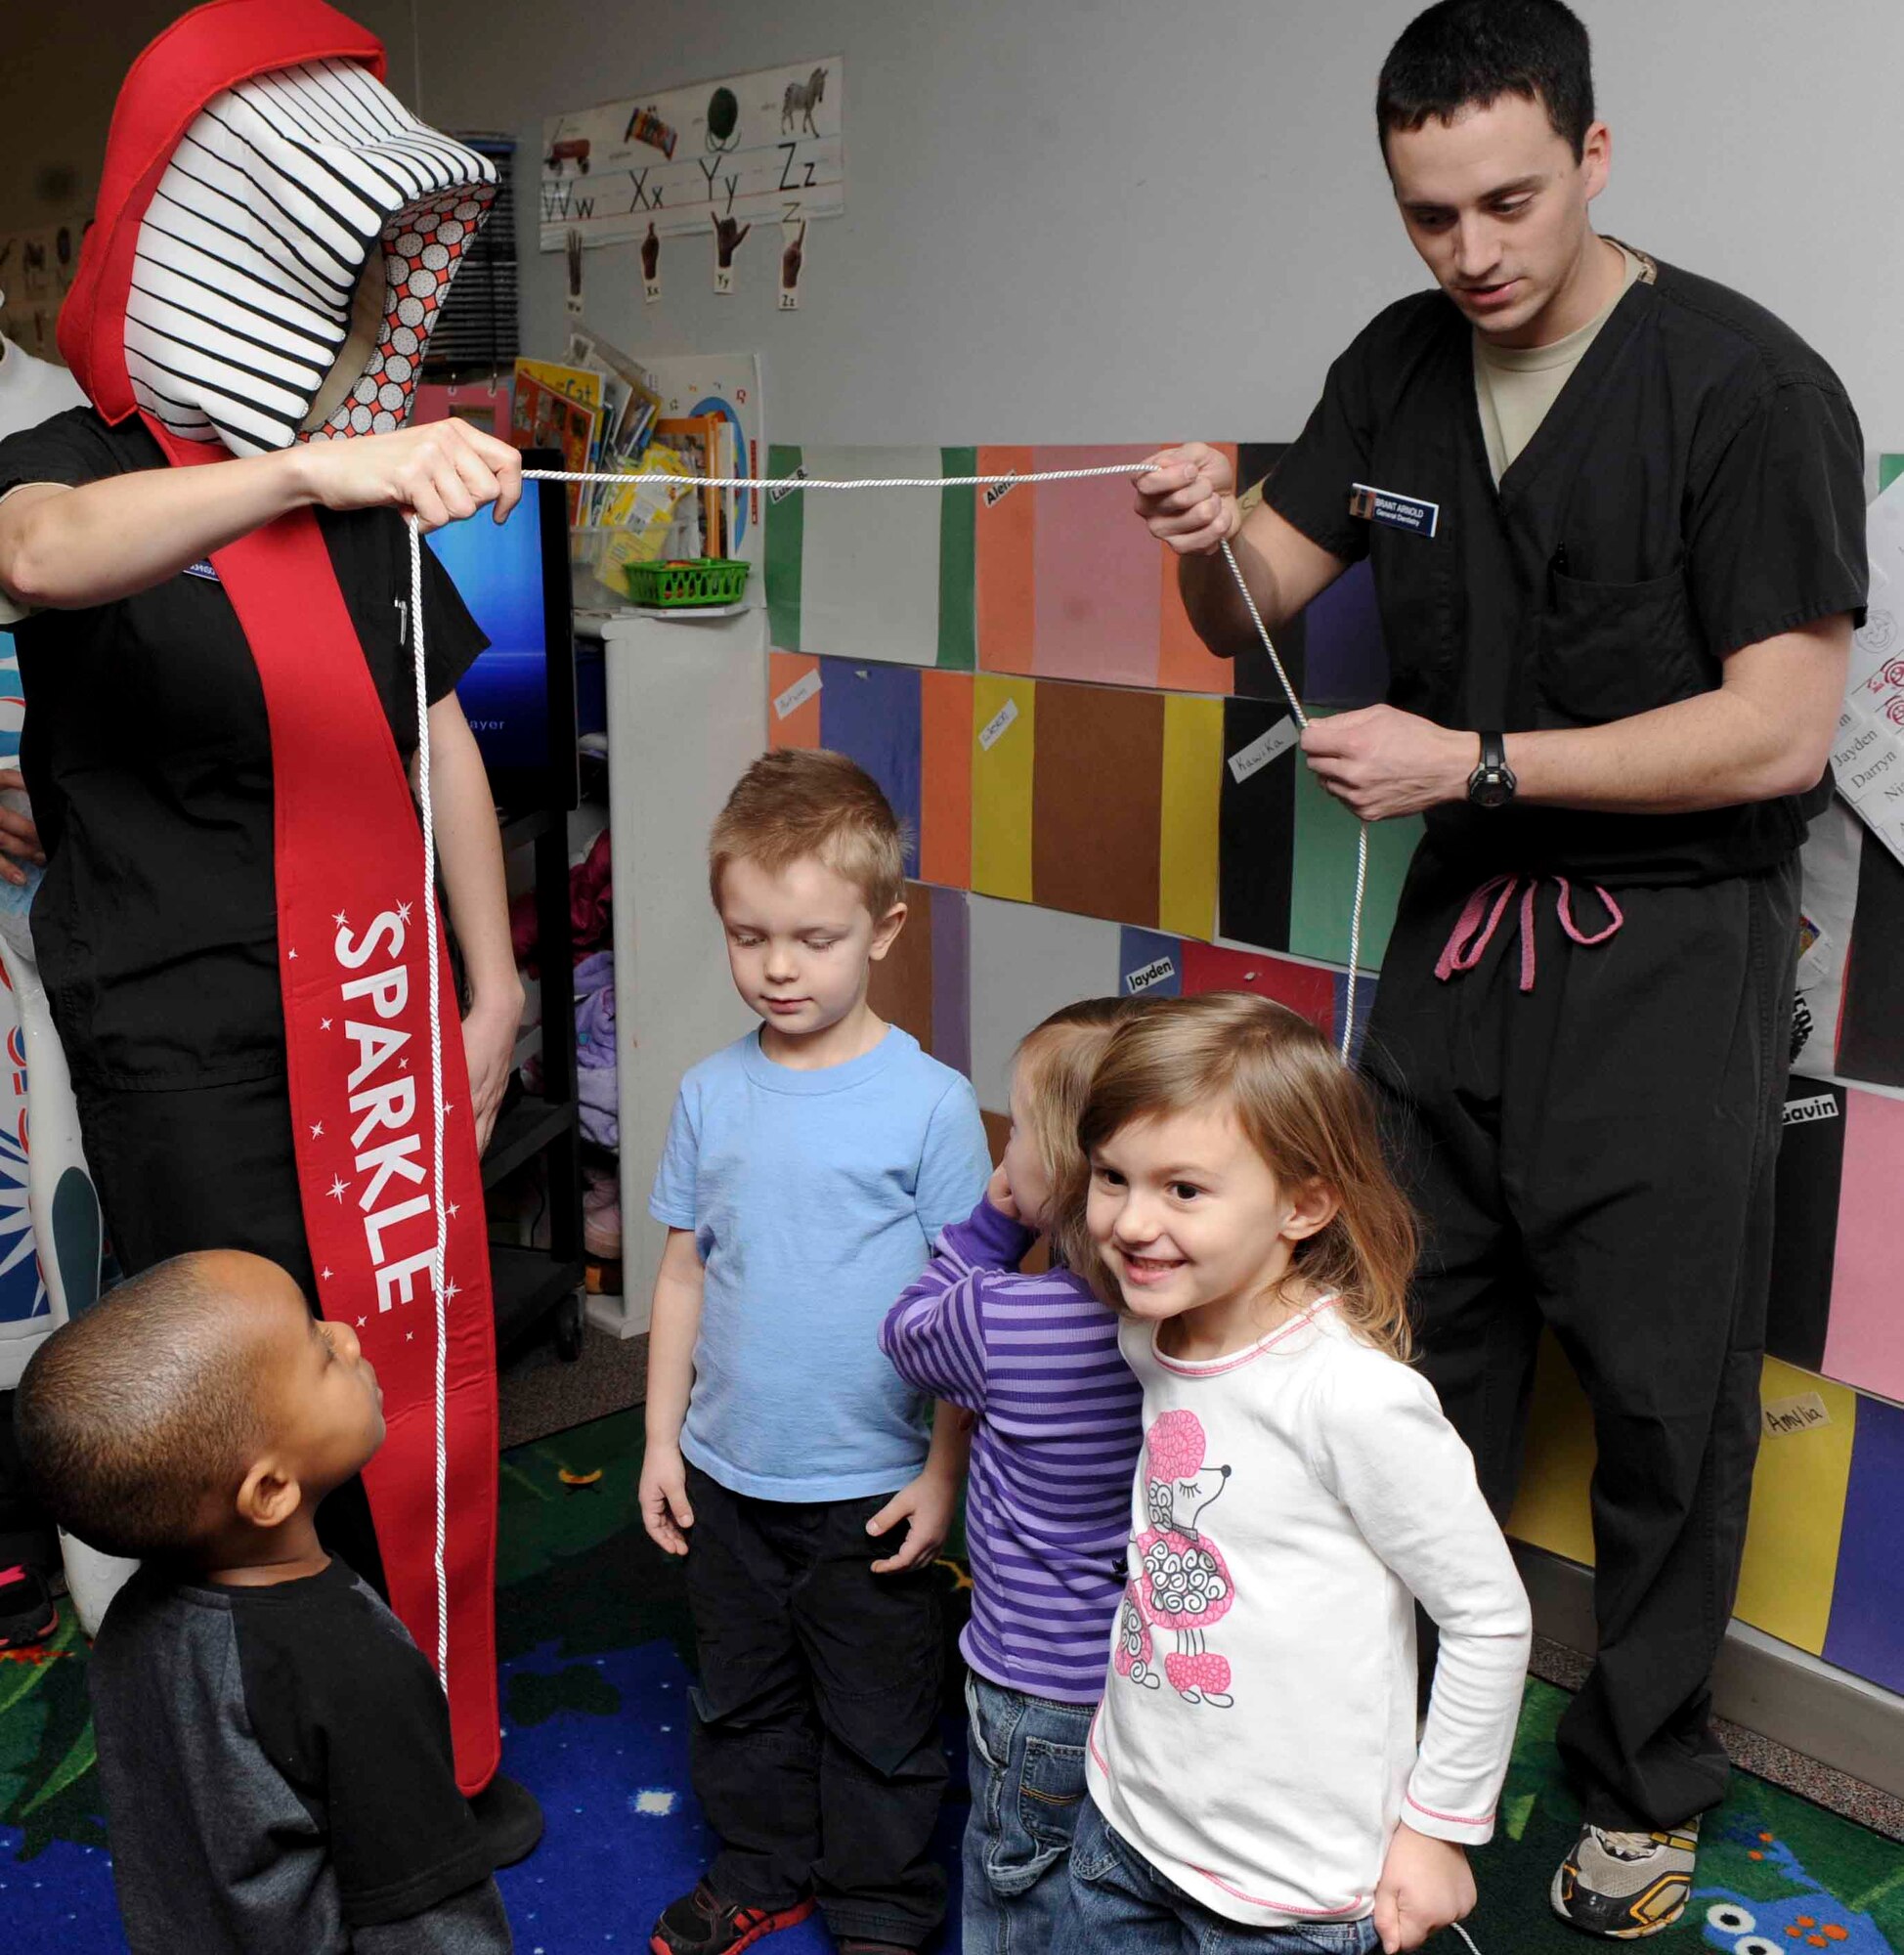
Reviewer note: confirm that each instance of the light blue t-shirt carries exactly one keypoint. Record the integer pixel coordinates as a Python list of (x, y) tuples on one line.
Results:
[(814, 1197)]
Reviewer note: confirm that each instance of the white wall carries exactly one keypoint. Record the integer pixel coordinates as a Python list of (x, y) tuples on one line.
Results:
[(1075, 220), (60, 67)]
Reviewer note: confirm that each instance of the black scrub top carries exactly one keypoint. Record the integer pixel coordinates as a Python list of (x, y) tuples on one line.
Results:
[(147, 752), (1698, 486)]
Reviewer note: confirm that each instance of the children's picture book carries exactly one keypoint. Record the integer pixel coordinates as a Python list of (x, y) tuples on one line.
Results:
[(544, 416), (696, 440)]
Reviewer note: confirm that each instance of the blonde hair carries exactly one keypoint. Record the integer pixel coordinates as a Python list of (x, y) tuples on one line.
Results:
[(800, 801), (1307, 1115), (1052, 1071)]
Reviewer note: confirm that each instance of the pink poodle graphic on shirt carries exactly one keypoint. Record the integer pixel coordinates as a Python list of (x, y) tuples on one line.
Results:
[(1185, 1584)]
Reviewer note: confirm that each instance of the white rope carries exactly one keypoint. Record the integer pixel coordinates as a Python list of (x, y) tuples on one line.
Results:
[(1361, 828), (778, 485), (681, 485), (437, 1271)]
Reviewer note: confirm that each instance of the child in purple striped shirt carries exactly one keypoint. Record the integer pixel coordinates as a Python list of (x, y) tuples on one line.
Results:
[(1048, 1500)]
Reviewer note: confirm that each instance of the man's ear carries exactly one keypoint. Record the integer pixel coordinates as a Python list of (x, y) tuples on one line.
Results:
[(1312, 1208), (266, 1496), (885, 931), (1596, 156)]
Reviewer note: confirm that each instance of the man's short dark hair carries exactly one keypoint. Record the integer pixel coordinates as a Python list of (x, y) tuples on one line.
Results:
[(1472, 51), (131, 1414)]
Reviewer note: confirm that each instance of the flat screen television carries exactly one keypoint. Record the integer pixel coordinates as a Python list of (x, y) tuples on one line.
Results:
[(519, 696)]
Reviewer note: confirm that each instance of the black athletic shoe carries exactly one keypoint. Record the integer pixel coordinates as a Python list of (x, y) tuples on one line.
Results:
[(508, 1819), (28, 1614), (703, 1924)]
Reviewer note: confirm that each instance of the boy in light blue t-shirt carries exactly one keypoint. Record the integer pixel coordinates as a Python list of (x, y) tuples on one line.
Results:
[(808, 1167)]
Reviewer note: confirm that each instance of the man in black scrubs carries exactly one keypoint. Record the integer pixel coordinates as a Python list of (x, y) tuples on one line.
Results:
[(1614, 514)]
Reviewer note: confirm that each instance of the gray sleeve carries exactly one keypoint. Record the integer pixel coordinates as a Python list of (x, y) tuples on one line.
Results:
[(471, 1923)]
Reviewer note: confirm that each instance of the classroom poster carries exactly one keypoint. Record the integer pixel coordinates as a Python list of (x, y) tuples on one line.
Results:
[(727, 385), (36, 268), (762, 148)]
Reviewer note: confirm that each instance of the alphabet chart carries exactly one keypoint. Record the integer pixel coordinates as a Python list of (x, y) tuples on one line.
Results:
[(761, 147)]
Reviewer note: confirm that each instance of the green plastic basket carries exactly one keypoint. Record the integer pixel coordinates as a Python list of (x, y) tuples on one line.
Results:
[(687, 580)]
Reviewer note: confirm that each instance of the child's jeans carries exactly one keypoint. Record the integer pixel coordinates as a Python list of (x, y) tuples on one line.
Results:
[(1121, 1905), (1028, 1790)]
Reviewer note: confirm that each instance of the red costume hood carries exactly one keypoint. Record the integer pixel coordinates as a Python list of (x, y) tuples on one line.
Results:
[(200, 54), (276, 234)]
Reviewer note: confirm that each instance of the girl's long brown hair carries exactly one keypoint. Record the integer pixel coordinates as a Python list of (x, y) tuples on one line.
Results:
[(1052, 1069), (1306, 1114)]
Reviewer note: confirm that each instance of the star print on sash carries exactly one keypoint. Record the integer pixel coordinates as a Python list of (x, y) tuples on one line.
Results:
[(378, 1108), (366, 1129)]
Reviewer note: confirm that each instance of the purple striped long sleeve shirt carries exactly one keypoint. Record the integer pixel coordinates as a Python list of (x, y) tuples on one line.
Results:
[(1047, 1503)]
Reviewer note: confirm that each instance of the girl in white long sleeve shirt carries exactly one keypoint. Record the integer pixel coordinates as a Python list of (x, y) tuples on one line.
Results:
[(1254, 1770)]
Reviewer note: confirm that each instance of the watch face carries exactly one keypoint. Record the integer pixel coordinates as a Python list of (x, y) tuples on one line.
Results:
[(1490, 789)]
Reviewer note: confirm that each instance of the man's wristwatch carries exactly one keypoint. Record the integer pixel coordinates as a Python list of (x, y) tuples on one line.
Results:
[(1492, 782)]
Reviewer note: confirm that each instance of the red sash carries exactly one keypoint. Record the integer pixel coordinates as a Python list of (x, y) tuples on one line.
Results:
[(352, 954)]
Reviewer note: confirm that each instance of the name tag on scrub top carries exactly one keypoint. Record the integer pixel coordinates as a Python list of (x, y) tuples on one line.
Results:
[(1393, 511)]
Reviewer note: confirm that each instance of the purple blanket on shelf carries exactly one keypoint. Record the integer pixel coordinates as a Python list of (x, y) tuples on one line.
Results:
[(594, 1035)]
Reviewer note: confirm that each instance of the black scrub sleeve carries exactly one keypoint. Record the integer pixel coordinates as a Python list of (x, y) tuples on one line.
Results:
[(1777, 532), (1311, 482), (72, 449)]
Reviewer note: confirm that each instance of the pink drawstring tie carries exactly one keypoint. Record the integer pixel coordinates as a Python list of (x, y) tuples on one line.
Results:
[(1471, 936)]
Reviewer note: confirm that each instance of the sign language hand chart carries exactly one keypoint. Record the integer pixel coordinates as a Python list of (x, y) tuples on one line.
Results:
[(767, 146)]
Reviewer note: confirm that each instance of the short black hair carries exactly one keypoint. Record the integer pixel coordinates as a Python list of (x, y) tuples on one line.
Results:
[(131, 1414), (1475, 51)]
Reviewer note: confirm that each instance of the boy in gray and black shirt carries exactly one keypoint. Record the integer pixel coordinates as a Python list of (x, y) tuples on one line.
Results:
[(275, 1748)]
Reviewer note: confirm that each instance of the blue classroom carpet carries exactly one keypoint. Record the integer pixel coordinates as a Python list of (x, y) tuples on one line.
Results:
[(596, 1655)]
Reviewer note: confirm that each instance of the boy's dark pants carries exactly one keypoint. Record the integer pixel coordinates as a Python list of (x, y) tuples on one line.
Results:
[(815, 1748)]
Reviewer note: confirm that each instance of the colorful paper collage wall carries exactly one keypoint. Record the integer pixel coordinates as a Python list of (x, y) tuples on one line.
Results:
[(1096, 804)]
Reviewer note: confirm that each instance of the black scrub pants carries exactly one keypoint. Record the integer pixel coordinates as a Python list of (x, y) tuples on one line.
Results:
[(1596, 1154), (213, 1168), (814, 1749)]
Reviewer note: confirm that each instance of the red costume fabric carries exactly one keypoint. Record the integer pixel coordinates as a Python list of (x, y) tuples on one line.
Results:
[(350, 876)]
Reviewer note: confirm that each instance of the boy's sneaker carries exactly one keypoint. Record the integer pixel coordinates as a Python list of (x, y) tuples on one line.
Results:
[(28, 1614), (703, 1924), (1625, 1885)]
